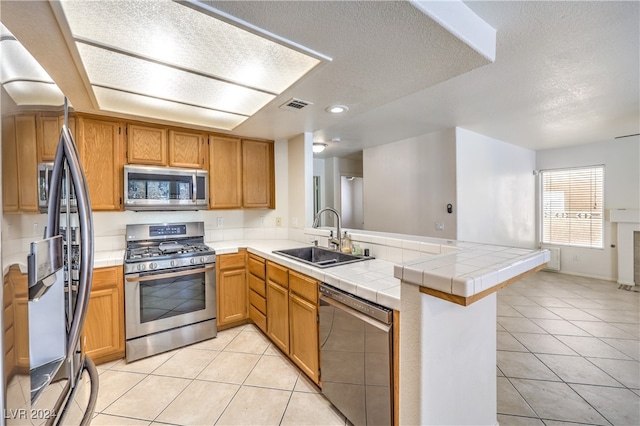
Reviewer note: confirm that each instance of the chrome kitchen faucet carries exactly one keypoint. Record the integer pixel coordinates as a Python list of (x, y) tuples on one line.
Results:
[(337, 242)]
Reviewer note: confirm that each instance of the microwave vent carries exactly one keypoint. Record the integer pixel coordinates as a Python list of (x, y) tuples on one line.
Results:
[(295, 104)]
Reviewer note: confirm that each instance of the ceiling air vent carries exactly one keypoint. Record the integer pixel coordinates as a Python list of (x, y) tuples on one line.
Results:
[(294, 104)]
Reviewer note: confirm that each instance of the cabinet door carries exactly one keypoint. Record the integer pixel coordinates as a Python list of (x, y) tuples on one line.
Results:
[(146, 145), (103, 333), (303, 322), (100, 146), (27, 162), (225, 172), (10, 202), (257, 174), (49, 127), (48, 137), (278, 315), (187, 150), (233, 295)]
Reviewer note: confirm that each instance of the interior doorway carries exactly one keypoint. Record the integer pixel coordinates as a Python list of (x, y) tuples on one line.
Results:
[(351, 202)]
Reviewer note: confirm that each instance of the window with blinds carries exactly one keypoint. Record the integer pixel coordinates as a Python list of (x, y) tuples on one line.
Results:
[(572, 206)]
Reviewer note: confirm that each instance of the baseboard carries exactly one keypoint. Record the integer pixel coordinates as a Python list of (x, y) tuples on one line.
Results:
[(577, 274)]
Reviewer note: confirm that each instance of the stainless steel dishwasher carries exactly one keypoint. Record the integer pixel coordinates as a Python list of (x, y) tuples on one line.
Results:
[(356, 345)]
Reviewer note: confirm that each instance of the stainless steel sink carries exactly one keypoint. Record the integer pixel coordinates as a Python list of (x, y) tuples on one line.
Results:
[(320, 257)]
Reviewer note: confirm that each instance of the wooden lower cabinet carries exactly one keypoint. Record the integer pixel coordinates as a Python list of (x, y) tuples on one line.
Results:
[(303, 341), (232, 288), (292, 317), (257, 291), (103, 333), (278, 315)]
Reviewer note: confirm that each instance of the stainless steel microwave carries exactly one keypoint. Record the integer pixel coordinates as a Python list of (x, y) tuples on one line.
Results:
[(44, 180), (164, 188)]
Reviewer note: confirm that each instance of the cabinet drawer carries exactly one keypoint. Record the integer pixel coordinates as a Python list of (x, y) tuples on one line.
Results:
[(258, 318), (278, 274), (303, 286), (257, 285), (258, 301), (230, 261), (256, 266)]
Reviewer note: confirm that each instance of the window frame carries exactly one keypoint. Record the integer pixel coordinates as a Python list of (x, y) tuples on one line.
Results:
[(541, 208)]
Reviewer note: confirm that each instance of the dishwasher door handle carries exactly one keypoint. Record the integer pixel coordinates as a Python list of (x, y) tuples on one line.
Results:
[(366, 318)]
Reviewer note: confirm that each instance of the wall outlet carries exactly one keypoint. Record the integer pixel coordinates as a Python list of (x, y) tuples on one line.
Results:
[(278, 221), (262, 220), (576, 258), (220, 222), (35, 228), (439, 226)]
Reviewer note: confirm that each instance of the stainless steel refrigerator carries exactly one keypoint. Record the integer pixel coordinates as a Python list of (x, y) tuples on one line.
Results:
[(47, 379)]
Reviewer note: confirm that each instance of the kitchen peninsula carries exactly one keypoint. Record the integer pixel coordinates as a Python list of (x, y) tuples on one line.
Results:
[(445, 292)]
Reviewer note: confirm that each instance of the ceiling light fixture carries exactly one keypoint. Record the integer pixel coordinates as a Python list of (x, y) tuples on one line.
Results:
[(319, 147), (337, 109), (222, 67), (24, 79)]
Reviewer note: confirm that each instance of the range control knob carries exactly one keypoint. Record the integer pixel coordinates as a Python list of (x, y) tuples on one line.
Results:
[(142, 267), (202, 260), (192, 261), (173, 263), (153, 265)]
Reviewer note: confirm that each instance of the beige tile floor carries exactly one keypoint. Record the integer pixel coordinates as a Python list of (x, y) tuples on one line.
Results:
[(238, 378), (568, 353)]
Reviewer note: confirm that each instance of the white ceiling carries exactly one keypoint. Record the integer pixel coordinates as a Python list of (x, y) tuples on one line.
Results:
[(565, 73)]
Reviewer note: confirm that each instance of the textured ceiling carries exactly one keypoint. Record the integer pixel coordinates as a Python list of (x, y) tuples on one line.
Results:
[(565, 72)]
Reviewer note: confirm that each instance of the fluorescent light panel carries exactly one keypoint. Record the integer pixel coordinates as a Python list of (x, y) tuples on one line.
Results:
[(130, 74), (22, 76), (127, 103), (166, 50)]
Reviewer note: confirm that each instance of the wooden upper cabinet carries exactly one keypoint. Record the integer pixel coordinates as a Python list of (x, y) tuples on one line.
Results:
[(48, 137), (146, 145), (10, 202), (187, 150), (225, 172), (258, 179), (27, 164), (19, 166), (100, 144)]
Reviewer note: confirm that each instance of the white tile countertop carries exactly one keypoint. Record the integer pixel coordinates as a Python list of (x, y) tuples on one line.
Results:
[(472, 271)]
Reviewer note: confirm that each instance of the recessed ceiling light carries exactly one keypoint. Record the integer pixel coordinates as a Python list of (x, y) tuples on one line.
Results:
[(319, 147), (337, 109)]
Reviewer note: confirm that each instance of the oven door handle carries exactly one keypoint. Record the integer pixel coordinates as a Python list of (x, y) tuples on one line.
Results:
[(170, 274)]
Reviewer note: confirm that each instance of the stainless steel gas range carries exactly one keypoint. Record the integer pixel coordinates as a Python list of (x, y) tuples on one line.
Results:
[(170, 288)]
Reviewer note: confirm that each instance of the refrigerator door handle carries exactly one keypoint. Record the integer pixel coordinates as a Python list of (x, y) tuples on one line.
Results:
[(67, 150)]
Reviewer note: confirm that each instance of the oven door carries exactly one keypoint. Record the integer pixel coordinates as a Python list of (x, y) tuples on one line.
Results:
[(160, 301)]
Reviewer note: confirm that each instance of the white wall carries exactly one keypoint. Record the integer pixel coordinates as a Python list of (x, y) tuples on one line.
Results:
[(351, 203), (319, 170), (495, 191), (621, 158), (300, 181), (408, 184)]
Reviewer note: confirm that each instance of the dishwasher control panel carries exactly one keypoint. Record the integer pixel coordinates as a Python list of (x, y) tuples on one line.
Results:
[(364, 306)]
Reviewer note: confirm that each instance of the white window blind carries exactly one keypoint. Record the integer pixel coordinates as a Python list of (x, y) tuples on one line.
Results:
[(572, 206)]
